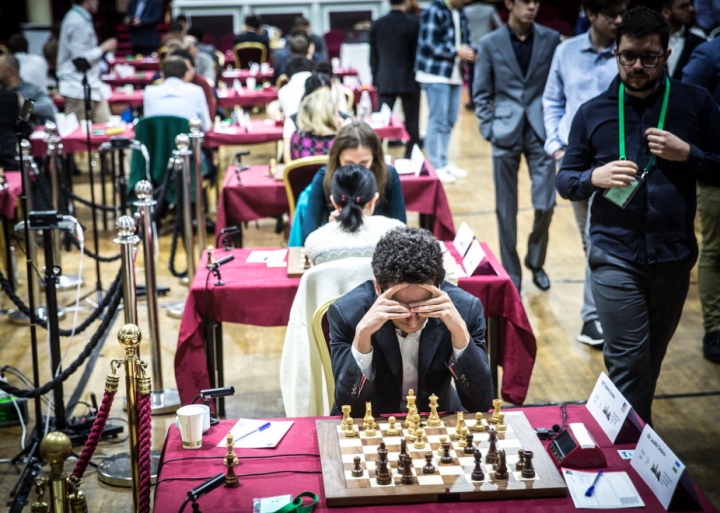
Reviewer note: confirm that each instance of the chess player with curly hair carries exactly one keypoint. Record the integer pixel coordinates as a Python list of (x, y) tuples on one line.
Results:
[(409, 329)]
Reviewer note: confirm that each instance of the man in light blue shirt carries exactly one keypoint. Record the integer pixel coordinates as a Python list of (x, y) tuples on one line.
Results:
[(582, 68)]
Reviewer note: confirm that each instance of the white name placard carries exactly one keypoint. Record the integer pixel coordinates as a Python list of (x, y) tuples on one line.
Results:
[(663, 472), (463, 239), (473, 258), (613, 412)]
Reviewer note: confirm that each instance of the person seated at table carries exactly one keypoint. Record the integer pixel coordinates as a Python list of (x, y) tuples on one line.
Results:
[(290, 95), (406, 329), (33, 68), (197, 30), (253, 32), (175, 96), (204, 64), (338, 90), (44, 109), (356, 143), (298, 44), (9, 110), (176, 30), (355, 231), (312, 130), (198, 80)]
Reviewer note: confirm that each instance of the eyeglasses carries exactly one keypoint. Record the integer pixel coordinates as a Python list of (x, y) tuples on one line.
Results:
[(648, 60), (612, 16)]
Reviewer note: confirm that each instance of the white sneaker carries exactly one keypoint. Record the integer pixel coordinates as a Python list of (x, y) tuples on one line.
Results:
[(456, 171), (444, 175)]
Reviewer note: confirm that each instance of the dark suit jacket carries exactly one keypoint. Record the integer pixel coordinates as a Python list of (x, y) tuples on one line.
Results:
[(393, 43), (473, 387), (691, 42), (9, 110), (146, 33)]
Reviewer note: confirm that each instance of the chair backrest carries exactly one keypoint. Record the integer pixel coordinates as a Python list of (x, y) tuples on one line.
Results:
[(281, 81), (321, 333), (158, 134), (333, 41), (226, 42), (299, 174), (162, 53), (350, 97), (4, 50), (248, 52)]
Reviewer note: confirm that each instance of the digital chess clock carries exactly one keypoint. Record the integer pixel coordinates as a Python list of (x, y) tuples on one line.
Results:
[(575, 448)]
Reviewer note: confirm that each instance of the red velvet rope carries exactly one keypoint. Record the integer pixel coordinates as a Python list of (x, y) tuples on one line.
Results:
[(144, 441), (95, 433)]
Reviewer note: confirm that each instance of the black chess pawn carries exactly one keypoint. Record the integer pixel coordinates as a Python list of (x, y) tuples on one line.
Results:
[(407, 475), (477, 473), (446, 458), (382, 453), (521, 460), (528, 471), (429, 468), (401, 456), (501, 470), (357, 470), (469, 447), (382, 473)]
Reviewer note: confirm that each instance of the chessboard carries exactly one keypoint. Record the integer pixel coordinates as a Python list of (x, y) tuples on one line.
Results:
[(450, 482)]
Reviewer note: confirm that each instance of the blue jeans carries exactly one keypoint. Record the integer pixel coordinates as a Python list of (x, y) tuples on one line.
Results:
[(443, 104)]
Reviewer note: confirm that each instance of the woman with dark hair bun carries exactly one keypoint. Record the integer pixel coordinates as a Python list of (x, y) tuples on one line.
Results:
[(355, 230)]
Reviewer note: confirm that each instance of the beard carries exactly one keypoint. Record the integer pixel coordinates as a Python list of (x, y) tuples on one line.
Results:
[(648, 86)]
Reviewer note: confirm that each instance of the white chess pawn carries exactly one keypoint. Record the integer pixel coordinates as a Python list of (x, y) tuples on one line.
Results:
[(392, 430)]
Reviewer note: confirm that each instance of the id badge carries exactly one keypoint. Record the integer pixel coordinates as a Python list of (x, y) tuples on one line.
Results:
[(622, 196)]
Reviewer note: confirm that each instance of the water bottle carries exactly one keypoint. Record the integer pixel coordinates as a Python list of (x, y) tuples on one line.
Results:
[(365, 106)]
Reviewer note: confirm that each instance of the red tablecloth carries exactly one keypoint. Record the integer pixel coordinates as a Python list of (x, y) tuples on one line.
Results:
[(229, 75), (261, 296), (254, 98), (143, 63), (10, 194), (260, 195), (134, 99), (179, 472), (77, 140)]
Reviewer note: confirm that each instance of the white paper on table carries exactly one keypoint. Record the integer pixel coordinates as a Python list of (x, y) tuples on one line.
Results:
[(473, 258), (265, 439), (413, 165), (613, 490), (258, 256), (277, 258), (66, 123), (237, 86), (385, 114), (463, 239), (254, 68)]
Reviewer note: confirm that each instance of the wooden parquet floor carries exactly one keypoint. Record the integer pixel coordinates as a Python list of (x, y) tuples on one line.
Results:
[(687, 407)]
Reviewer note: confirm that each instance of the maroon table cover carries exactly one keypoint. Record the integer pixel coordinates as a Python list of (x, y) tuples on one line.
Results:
[(140, 78), (260, 296), (179, 472), (259, 195)]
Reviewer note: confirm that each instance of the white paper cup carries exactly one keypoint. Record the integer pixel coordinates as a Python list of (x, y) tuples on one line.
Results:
[(206, 419), (335, 62), (251, 83), (265, 67), (190, 419)]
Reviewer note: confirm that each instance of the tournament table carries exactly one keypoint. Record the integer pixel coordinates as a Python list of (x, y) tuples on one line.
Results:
[(181, 470), (258, 295), (257, 195)]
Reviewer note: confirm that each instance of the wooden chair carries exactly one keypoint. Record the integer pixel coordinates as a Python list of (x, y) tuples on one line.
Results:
[(245, 53), (321, 333), (299, 174), (350, 98), (162, 53), (4, 50), (281, 81)]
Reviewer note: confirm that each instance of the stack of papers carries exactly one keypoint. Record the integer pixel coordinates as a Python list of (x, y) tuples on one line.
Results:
[(248, 435)]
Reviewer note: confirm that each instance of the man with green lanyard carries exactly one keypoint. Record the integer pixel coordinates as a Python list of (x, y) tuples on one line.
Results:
[(636, 151), (78, 41)]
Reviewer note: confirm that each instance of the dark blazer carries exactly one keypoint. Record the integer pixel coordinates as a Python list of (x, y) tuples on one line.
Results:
[(254, 37), (503, 97), (9, 111), (393, 43), (691, 42), (473, 387), (146, 34)]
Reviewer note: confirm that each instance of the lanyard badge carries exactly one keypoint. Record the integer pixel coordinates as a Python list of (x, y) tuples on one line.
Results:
[(622, 196)]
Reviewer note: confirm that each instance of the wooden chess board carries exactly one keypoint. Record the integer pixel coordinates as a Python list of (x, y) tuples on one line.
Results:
[(450, 482)]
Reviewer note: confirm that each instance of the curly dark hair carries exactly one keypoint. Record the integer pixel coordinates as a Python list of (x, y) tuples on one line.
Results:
[(641, 22), (408, 255)]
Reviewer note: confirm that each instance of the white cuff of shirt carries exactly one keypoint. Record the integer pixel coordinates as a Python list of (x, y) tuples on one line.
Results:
[(365, 363), (458, 352)]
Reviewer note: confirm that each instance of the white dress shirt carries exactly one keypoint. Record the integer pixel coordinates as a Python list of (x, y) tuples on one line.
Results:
[(290, 95), (33, 69), (78, 39), (173, 97), (677, 45), (410, 351)]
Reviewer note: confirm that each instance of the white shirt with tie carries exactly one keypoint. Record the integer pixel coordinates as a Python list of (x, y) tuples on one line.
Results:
[(173, 97)]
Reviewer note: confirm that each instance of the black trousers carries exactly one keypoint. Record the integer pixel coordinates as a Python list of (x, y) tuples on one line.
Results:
[(639, 307), (411, 109)]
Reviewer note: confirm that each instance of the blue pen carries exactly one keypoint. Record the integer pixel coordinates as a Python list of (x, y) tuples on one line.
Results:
[(589, 491), (256, 430)]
